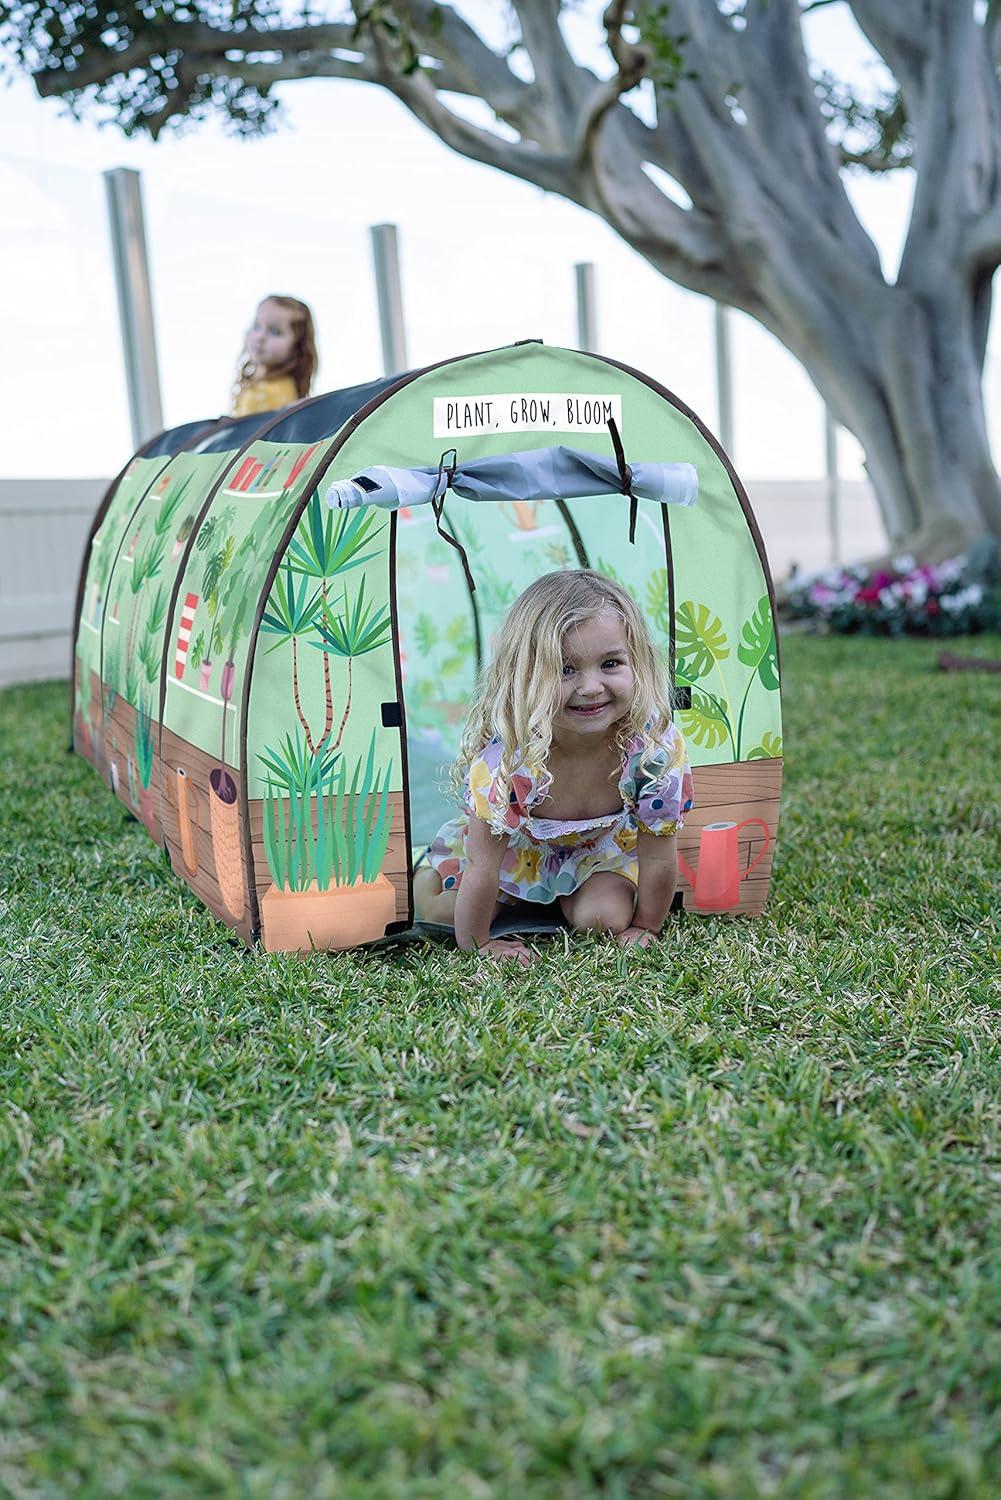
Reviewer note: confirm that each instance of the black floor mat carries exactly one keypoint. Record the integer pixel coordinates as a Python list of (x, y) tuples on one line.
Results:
[(523, 921)]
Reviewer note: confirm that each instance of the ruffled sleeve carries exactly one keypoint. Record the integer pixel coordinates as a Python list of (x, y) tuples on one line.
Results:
[(661, 793), (483, 798)]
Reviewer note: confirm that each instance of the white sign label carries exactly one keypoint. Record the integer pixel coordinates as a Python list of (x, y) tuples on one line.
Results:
[(473, 416)]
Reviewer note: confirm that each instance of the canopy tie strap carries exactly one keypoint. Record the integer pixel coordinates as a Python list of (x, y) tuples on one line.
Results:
[(625, 477), (446, 472)]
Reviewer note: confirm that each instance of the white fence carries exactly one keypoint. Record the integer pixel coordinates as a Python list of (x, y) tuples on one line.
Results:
[(44, 525), (43, 530)]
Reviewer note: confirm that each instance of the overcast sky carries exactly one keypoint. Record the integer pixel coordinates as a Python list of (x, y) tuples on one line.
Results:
[(486, 260)]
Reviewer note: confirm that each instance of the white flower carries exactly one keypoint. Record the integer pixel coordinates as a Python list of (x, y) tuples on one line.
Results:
[(962, 599)]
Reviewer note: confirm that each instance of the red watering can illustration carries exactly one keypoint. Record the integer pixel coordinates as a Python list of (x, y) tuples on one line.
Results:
[(717, 884)]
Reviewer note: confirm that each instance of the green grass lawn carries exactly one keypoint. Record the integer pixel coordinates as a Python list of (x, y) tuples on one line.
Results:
[(717, 1219)]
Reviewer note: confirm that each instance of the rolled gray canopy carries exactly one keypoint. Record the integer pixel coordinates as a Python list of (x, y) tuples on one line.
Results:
[(555, 473)]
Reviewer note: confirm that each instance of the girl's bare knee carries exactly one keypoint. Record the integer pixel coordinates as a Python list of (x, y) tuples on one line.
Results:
[(598, 919), (427, 889), (606, 907)]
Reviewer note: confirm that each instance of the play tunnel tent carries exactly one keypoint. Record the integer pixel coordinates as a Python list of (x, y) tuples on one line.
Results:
[(280, 621)]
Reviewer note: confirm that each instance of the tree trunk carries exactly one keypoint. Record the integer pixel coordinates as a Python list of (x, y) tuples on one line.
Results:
[(911, 392), (731, 116)]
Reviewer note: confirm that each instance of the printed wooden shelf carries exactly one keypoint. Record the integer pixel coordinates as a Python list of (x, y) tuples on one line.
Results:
[(723, 838)]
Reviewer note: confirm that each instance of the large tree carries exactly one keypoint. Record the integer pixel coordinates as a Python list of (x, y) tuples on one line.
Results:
[(719, 95)]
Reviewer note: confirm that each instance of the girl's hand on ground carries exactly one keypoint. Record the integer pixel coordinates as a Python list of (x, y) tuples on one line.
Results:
[(508, 950), (637, 937)]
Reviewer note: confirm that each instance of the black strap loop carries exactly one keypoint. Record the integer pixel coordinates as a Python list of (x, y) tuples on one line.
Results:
[(438, 505), (625, 477)]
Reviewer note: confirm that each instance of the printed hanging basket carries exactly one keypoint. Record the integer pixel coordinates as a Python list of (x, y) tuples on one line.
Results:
[(224, 818)]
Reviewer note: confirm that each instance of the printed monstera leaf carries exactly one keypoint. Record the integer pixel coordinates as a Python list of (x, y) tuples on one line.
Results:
[(658, 599), (769, 749), (757, 645), (699, 639), (706, 721)]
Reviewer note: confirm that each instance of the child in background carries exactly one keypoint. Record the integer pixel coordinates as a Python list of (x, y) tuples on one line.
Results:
[(575, 778), (279, 357)]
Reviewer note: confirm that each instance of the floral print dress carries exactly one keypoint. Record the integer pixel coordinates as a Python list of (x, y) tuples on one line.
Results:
[(550, 857)]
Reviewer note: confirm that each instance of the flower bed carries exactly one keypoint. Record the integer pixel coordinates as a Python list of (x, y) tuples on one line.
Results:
[(948, 598)]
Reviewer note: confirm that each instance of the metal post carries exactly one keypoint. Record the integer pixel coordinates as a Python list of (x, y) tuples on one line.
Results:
[(386, 257), (135, 301), (833, 485), (587, 320), (724, 389)]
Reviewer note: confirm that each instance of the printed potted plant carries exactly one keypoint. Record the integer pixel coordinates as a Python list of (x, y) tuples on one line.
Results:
[(325, 835), (144, 765), (217, 546), (325, 838)]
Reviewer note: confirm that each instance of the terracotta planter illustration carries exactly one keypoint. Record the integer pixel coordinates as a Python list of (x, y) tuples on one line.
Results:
[(224, 819), (187, 817), (341, 917)]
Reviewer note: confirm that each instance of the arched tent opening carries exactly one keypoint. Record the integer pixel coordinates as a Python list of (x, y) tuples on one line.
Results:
[(274, 654)]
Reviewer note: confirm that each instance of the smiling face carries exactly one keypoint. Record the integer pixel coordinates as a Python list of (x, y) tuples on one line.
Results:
[(272, 335), (597, 686)]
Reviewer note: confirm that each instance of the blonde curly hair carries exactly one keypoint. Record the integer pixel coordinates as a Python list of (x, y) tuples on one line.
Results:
[(518, 692)]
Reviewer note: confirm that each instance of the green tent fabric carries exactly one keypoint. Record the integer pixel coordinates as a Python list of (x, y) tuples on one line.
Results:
[(276, 687)]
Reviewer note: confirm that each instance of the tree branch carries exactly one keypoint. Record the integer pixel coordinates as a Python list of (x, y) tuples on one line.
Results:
[(632, 64), (957, 124), (898, 33), (548, 170), (992, 30)]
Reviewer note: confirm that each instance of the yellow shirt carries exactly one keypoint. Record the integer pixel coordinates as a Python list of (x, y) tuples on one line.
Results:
[(265, 395)]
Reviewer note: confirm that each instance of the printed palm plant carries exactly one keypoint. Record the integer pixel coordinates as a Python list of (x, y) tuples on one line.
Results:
[(345, 842), (326, 544), (104, 548), (151, 646), (111, 665), (169, 506), (131, 688), (146, 566), (357, 630)]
